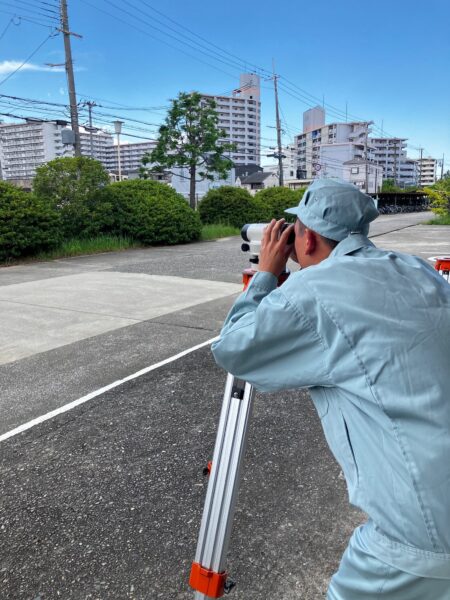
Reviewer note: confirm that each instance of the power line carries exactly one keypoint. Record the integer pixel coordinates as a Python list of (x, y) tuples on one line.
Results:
[(30, 100), (212, 53), (28, 20), (289, 87), (28, 58), (10, 22), (157, 39), (267, 73), (34, 13), (34, 6)]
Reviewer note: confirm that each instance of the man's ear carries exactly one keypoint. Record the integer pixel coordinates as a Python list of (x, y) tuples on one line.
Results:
[(310, 242)]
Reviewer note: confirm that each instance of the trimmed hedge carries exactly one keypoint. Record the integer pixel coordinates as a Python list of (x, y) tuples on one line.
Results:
[(277, 199), (231, 206), (67, 184), (27, 224), (147, 211)]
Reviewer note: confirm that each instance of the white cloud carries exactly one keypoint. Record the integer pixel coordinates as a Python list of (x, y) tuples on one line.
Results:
[(9, 66)]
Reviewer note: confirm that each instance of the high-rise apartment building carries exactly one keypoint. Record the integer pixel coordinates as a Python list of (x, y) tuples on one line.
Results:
[(427, 171), (102, 146), (25, 146), (240, 118), (390, 153), (130, 157)]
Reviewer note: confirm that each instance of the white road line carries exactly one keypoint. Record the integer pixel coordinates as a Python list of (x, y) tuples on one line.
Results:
[(99, 392)]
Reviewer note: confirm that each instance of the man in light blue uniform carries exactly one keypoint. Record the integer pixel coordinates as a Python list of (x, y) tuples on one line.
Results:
[(368, 332)]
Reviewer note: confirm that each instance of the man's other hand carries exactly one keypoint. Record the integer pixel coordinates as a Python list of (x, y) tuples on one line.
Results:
[(275, 249)]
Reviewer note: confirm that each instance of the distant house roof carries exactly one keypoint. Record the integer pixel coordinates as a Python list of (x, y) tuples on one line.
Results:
[(362, 161), (358, 161), (256, 177), (246, 170)]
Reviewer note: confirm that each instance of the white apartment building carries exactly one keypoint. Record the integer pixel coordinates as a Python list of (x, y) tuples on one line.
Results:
[(390, 153), (130, 157), (427, 171), (102, 145), (240, 118), (26, 146), (347, 161), (322, 149)]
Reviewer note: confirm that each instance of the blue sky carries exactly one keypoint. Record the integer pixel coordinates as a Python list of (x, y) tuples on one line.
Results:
[(388, 61)]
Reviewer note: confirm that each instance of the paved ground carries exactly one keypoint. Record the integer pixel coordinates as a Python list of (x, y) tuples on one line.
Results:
[(104, 501)]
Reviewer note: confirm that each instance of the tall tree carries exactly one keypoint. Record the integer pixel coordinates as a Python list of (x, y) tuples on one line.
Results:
[(190, 137)]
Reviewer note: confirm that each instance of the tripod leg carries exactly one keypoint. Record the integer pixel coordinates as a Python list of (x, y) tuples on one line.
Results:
[(208, 576)]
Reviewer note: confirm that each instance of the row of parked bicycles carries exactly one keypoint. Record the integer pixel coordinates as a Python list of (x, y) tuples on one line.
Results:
[(392, 209)]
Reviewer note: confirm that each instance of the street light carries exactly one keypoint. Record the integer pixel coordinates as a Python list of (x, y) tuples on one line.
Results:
[(118, 130)]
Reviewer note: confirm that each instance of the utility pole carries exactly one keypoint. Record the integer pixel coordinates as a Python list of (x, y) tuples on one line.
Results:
[(420, 167), (90, 106), (442, 167), (366, 157), (395, 162), (70, 78), (277, 114)]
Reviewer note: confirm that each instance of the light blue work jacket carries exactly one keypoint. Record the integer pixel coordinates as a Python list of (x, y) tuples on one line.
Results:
[(368, 331)]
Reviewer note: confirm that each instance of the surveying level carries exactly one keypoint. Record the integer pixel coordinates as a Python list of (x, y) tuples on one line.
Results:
[(208, 576), (252, 235)]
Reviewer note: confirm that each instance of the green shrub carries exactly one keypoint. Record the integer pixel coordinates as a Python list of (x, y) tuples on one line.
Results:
[(27, 225), (277, 199), (231, 206), (147, 211), (67, 184)]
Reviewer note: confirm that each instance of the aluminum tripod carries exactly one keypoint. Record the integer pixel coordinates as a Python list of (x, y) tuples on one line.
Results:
[(208, 575)]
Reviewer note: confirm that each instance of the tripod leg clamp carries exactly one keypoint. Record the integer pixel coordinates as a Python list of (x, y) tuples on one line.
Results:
[(207, 582)]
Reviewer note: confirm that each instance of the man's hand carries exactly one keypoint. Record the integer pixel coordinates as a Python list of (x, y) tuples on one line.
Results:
[(275, 249)]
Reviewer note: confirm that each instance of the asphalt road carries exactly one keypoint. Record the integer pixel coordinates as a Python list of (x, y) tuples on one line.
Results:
[(104, 501)]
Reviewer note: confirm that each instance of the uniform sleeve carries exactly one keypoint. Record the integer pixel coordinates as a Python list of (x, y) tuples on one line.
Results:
[(268, 342)]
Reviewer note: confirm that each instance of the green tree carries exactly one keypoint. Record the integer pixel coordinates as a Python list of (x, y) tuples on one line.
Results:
[(389, 186), (277, 199), (190, 137), (66, 184), (233, 206), (439, 196)]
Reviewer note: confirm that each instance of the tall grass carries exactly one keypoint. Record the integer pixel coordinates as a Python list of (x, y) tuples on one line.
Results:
[(441, 220), (114, 243), (95, 245), (212, 232)]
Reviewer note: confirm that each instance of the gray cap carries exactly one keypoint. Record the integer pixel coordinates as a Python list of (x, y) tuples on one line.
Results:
[(335, 208)]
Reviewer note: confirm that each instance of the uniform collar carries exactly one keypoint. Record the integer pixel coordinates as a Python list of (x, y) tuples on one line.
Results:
[(354, 241)]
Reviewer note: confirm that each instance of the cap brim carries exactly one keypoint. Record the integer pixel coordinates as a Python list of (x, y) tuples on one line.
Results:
[(292, 211)]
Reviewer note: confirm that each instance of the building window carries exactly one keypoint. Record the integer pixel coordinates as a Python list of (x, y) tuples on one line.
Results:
[(355, 170)]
